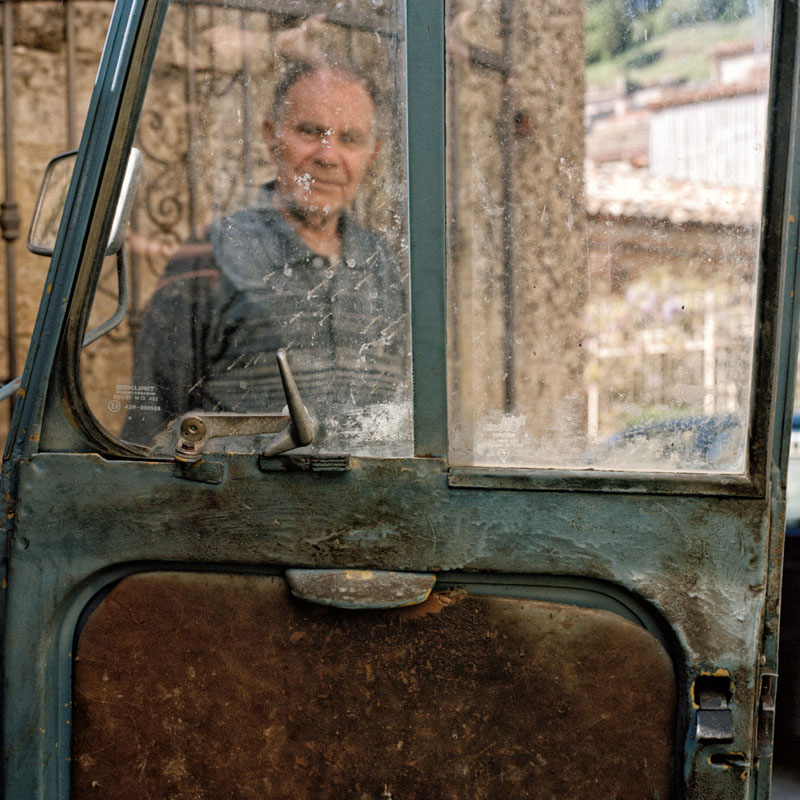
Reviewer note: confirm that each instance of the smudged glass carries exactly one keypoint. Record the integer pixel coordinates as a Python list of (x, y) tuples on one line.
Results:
[(227, 265), (604, 187)]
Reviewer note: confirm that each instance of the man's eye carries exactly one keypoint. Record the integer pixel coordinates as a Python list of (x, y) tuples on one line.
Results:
[(349, 137), (307, 129)]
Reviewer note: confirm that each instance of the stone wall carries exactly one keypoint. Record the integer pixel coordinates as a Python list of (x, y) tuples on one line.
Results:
[(40, 132), (518, 249)]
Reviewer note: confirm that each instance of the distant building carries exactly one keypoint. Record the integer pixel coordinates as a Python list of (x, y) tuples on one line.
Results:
[(713, 135), (740, 63)]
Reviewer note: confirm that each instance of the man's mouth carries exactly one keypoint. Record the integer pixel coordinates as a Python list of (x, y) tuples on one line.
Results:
[(307, 182)]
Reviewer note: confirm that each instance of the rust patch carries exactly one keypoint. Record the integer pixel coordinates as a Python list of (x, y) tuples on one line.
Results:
[(211, 686), (433, 605)]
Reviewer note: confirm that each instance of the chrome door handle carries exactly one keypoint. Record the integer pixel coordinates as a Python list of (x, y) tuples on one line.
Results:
[(360, 588)]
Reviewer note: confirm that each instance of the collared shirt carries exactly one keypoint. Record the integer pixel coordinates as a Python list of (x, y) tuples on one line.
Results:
[(227, 302)]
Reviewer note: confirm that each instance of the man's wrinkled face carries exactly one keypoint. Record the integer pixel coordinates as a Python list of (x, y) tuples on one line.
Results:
[(323, 143)]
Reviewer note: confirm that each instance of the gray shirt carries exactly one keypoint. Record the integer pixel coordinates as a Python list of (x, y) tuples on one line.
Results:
[(228, 301)]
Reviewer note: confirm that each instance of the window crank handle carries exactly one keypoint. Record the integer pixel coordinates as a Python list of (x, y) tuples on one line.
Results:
[(300, 431)]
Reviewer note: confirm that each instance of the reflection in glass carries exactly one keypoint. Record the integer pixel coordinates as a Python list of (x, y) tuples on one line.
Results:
[(605, 171), (272, 214)]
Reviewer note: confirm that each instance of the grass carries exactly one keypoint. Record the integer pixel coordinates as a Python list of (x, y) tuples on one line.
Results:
[(679, 54)]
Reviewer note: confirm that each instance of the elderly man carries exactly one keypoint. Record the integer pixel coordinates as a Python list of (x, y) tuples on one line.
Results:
[(294, 271)]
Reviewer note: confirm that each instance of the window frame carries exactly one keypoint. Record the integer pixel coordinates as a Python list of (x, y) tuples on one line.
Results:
[(425, 63)]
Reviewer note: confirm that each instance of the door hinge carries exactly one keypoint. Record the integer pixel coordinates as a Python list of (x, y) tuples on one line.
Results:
[(766, 715)]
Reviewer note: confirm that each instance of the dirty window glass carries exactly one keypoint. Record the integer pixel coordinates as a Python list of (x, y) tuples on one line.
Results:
[(604, 182), (270, 214)]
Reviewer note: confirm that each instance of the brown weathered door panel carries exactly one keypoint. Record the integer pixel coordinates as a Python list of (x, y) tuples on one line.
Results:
[(198, 685)]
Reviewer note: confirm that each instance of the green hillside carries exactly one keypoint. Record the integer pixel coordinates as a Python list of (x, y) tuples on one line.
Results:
[(660, 45)]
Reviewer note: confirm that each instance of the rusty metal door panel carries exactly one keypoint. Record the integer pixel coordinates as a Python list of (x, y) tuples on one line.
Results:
[(198, 685)]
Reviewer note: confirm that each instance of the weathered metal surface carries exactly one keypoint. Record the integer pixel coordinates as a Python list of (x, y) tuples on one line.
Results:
[(766, 716), (715, 725), (309, 462), (199, 685), (563, 480), (360, 588), (677, 552), (687, 557), (425, 65)]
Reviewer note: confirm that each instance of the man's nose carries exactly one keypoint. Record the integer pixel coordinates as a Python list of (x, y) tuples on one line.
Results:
[(328, 150)]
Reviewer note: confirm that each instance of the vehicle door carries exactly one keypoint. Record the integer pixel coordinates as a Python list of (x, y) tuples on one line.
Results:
[(533, 546)]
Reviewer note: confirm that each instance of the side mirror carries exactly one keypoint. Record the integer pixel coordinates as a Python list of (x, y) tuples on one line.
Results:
[(53, 194), (47, 219)]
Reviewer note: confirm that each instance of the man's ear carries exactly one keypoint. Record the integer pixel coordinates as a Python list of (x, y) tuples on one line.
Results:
[(268, 132), (375, 152)]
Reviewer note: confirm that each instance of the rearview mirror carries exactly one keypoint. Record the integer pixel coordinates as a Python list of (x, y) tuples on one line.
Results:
[(53, 194)]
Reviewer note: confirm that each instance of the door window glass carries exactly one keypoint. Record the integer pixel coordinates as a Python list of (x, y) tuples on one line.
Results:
[(605, 176), (270, 214)]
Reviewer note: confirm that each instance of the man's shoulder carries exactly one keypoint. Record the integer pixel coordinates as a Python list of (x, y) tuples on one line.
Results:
[(252, 217), (252, 221), (193, 260), (248, 244)]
